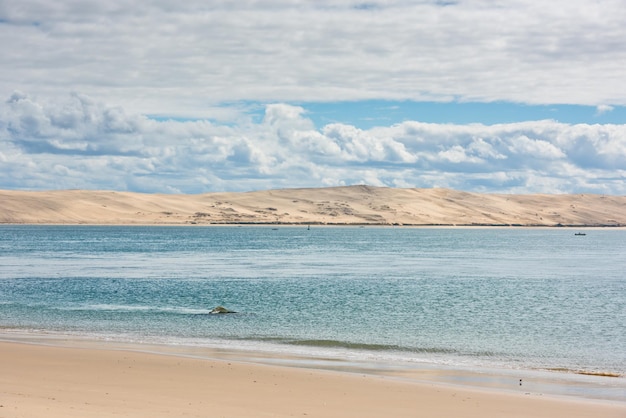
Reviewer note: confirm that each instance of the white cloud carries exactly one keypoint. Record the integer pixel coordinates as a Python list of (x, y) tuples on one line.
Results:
[(535, 148), (80, 143), (457, 154), (172, 58), (483, 149), (602, 109)]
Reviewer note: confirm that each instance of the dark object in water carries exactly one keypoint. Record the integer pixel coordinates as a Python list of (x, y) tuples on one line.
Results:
[(580, 233), (221, 310)]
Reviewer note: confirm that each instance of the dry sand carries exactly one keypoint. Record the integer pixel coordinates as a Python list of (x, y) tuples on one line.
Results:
[(48, 381), (338, 205)]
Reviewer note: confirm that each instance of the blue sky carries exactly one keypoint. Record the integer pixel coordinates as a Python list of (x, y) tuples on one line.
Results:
[(369, 113), (517, 96)]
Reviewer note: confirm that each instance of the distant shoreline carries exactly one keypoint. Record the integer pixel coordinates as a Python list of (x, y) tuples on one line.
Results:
[(329, 225), (333, 206)]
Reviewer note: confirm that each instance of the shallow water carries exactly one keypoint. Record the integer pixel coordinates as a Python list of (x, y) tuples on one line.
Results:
[(508, 298)]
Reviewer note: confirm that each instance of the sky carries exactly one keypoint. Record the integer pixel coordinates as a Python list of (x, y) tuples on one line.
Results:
[(195, 96)]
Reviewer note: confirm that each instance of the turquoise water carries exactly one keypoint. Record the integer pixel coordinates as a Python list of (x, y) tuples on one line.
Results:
[(506, 298)]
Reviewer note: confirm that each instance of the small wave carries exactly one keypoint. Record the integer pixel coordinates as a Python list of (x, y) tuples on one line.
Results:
[(189, 311), (139, 308), (108, 308), (349, 345), (598, 373), (344, 344)]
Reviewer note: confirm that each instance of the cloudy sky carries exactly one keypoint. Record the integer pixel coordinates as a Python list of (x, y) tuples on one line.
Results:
[(514, 96)]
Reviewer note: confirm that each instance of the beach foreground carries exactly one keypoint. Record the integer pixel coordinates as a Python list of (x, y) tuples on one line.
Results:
[(50, 381)]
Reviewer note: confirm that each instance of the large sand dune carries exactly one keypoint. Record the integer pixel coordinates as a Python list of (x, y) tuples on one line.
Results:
[(337, 205)]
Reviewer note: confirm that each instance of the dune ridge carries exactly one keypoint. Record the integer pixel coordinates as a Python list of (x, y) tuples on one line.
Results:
[(349, 205)]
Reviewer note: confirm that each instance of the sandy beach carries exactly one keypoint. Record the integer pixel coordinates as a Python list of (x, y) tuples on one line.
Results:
[(52, 381), (358, 205)]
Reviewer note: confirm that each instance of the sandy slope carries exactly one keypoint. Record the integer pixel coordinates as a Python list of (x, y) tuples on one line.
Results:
[(337, 205)]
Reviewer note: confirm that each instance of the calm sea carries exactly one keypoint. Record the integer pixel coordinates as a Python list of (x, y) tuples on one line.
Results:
[(503, 298)]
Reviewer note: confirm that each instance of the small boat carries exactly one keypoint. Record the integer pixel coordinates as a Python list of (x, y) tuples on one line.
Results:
[(580, 233)]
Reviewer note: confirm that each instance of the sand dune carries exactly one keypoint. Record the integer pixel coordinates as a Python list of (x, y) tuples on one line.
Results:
[(337, 205)]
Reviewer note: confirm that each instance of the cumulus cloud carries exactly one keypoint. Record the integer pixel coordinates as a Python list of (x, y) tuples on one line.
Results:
[(601, 109), (172, 58), (77, 142)]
